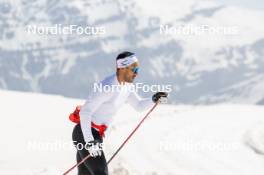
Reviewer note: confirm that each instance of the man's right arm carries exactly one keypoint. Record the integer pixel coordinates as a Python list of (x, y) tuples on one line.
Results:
[(92, 103)]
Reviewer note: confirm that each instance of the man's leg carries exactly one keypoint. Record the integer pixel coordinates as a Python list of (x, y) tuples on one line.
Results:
[(82, 169), (96, 165)]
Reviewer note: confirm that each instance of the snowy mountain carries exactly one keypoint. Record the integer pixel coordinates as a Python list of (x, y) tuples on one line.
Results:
[(187, 140), (203, 68)]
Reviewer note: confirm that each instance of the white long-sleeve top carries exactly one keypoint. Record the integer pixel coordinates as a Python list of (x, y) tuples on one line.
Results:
[(101, 106)]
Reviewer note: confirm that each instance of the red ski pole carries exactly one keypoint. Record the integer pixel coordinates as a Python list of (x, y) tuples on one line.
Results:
[(83, 160), (130, 135)]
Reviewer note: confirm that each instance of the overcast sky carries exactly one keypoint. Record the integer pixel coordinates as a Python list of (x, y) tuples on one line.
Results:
[(256, 4)]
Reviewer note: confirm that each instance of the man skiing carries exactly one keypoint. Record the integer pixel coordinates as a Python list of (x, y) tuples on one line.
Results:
[(100, 107)]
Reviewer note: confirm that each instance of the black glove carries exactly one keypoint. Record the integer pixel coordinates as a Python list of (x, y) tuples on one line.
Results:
[(159, 95)]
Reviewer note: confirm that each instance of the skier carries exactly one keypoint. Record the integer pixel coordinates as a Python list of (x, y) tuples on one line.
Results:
[(96, 114)]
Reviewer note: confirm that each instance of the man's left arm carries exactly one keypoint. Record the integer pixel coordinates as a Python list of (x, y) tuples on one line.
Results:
[(138, 103)]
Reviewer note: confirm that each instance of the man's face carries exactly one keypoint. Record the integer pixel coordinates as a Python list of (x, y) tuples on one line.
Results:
[(129, 73)]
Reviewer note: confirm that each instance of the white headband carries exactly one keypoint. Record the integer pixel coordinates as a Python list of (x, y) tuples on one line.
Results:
[(124, 62)]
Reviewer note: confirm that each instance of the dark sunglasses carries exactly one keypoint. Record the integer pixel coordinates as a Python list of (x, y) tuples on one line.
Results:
[(135, 70)]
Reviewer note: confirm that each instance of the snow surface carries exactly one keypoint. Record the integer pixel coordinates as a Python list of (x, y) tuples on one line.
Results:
[(222, 139)]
